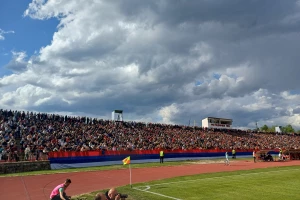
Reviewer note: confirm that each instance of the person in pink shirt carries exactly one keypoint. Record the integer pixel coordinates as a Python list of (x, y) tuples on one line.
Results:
[(59, 192)]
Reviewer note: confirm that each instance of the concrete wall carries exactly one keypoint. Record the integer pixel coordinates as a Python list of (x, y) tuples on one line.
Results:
[(15, 167)]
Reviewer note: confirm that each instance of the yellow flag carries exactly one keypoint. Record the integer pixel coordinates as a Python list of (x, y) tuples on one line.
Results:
[(126, 160)]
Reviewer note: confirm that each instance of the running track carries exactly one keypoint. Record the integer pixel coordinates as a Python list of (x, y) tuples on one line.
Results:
[(38, 187)]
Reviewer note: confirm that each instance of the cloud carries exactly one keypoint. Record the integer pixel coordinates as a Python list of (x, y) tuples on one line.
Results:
[(163, 61), (167, 112), (18, 63), (2, 33), (296, 110)]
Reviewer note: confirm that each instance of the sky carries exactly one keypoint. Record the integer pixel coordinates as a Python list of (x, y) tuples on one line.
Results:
[(162, 61)]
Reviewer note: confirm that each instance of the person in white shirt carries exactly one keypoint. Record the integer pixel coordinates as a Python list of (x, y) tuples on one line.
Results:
[(27, 153), (226, 158)]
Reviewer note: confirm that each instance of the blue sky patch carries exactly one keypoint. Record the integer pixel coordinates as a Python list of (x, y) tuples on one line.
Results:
[(29, 34), (216, 76)]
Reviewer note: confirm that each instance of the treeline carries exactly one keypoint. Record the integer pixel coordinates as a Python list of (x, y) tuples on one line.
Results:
[(285, 129)]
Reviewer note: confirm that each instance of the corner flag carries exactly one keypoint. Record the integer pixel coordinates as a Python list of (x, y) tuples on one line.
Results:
[(126, 160)]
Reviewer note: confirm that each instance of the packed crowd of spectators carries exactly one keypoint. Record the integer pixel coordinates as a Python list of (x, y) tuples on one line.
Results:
[(40, 133)]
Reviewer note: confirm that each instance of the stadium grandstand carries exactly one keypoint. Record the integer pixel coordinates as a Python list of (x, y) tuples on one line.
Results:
[(31, 136)]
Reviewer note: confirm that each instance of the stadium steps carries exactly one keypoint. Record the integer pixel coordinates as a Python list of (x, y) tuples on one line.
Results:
[(20, 154)]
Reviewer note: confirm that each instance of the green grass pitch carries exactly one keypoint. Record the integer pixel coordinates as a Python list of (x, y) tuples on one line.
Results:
[(264, 184)]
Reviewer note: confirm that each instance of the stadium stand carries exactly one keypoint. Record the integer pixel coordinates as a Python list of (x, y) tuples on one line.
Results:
[(30, 136)]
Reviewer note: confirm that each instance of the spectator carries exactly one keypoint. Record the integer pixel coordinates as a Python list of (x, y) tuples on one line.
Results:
[(27, 153), (67, 133)]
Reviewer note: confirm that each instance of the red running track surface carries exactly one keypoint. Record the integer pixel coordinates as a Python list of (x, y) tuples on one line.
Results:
[(39, 187)]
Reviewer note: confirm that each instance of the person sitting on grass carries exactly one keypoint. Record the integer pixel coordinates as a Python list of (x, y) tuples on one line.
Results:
[(111, 194), (100, 196)]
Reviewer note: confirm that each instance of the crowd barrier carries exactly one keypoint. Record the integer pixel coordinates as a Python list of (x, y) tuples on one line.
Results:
[(61, 154), (100, 158)]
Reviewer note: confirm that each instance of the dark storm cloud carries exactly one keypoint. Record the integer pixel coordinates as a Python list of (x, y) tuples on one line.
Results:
[(143, 56), (247, 14), (296, 110)]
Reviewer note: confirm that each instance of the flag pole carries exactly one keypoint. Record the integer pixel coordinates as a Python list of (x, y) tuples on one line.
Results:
[(130, 175), (125, 162)]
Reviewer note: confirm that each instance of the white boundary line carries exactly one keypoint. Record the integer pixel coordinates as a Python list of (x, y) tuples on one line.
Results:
[(219, 177), (148, 187)]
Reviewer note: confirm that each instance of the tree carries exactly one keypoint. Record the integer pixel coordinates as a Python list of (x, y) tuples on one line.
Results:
[(264, 128), (288, 129), (272, 129)]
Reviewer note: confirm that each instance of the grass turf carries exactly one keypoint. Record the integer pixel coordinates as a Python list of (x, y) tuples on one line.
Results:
[(264, 184), (112, 167)]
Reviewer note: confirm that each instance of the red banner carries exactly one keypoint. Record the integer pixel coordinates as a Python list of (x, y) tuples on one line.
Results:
[(106, 153)]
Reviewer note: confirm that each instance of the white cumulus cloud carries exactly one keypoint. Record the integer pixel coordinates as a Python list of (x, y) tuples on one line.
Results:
[(162, 61)]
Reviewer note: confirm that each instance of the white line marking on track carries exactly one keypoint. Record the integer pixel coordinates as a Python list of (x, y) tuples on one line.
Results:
[(25, 188)]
